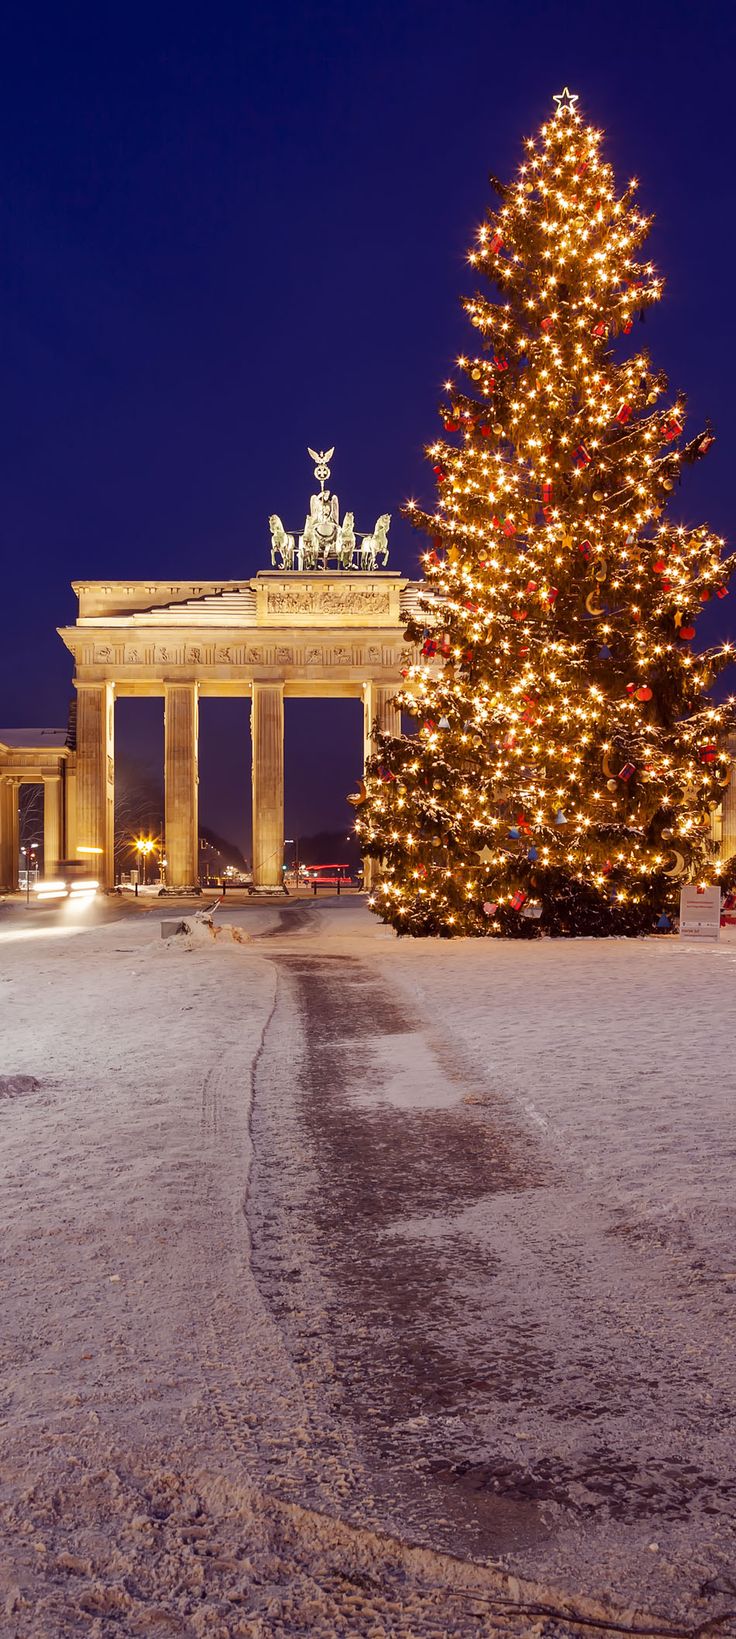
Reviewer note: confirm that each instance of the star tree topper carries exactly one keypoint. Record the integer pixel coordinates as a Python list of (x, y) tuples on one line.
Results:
[(566, 101)]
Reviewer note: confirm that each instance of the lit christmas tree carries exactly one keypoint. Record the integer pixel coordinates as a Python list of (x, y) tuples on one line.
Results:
[(567, 757)]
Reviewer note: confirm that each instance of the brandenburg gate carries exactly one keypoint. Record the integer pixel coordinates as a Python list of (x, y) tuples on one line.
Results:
[(325, 621)]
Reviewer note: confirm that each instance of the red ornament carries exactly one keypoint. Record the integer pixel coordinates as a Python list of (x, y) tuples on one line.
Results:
[(721, 591), (531, 586), (547, 491), (509, 527), (501, 364), (548, 322), (600, 330), (644, 693), (705, 442), (705, 596), (686, 633), (628, 327), (518, 899), (582, 458), (586, 549), (626, 772), (452, 426), (671, 429), (659, 566), (496, 242), (552, 594), (708, 753), (519, 614), (486, 429), (624, 414), (666, 585)]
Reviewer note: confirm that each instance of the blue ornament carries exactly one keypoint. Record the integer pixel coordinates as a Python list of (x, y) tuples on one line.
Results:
[(532, 854), (514, 831), (664, 923), (604, 653), (560, 818)]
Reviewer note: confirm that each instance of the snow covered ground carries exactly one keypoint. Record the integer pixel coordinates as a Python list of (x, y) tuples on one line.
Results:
[(326, 1244)]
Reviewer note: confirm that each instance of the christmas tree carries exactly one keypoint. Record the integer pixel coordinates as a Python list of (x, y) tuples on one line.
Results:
[(567, 757)]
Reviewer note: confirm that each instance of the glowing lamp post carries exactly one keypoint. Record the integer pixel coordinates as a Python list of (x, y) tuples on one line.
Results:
[(144, 846)]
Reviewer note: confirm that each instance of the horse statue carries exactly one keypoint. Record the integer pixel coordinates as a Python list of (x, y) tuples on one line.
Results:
[(372, 545), (346, 542), (309, 545), (281, 543)]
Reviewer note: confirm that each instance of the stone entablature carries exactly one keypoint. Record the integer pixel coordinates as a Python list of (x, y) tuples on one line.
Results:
[(286, 625), (231, 657)]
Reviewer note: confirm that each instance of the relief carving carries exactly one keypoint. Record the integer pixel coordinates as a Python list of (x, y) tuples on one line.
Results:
[(313, 657), (328, 600), (342, 657), (373, 656), (284, 657)]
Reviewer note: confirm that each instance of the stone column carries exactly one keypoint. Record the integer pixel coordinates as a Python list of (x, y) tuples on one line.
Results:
[(96, 779), (728, 817), (181, 780), (70, 813), (9, 838), (267, 734), (52, 823), (379, 712)]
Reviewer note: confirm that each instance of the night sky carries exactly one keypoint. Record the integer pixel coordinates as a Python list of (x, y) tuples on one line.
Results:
[(232, 231)]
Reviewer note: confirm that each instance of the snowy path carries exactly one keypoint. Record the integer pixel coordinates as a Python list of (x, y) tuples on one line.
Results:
[(514, 1258), (479, 1297)]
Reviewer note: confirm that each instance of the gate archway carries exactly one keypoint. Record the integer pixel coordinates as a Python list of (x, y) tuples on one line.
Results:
[(282, 634)]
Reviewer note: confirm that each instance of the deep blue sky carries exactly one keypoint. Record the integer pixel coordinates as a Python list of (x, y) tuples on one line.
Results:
[(229, 231)]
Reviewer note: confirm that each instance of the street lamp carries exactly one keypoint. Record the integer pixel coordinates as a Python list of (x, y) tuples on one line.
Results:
[(29, 855), (144, 846)]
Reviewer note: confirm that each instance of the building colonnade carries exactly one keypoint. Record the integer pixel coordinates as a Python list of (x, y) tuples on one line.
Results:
[(95, 773)]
